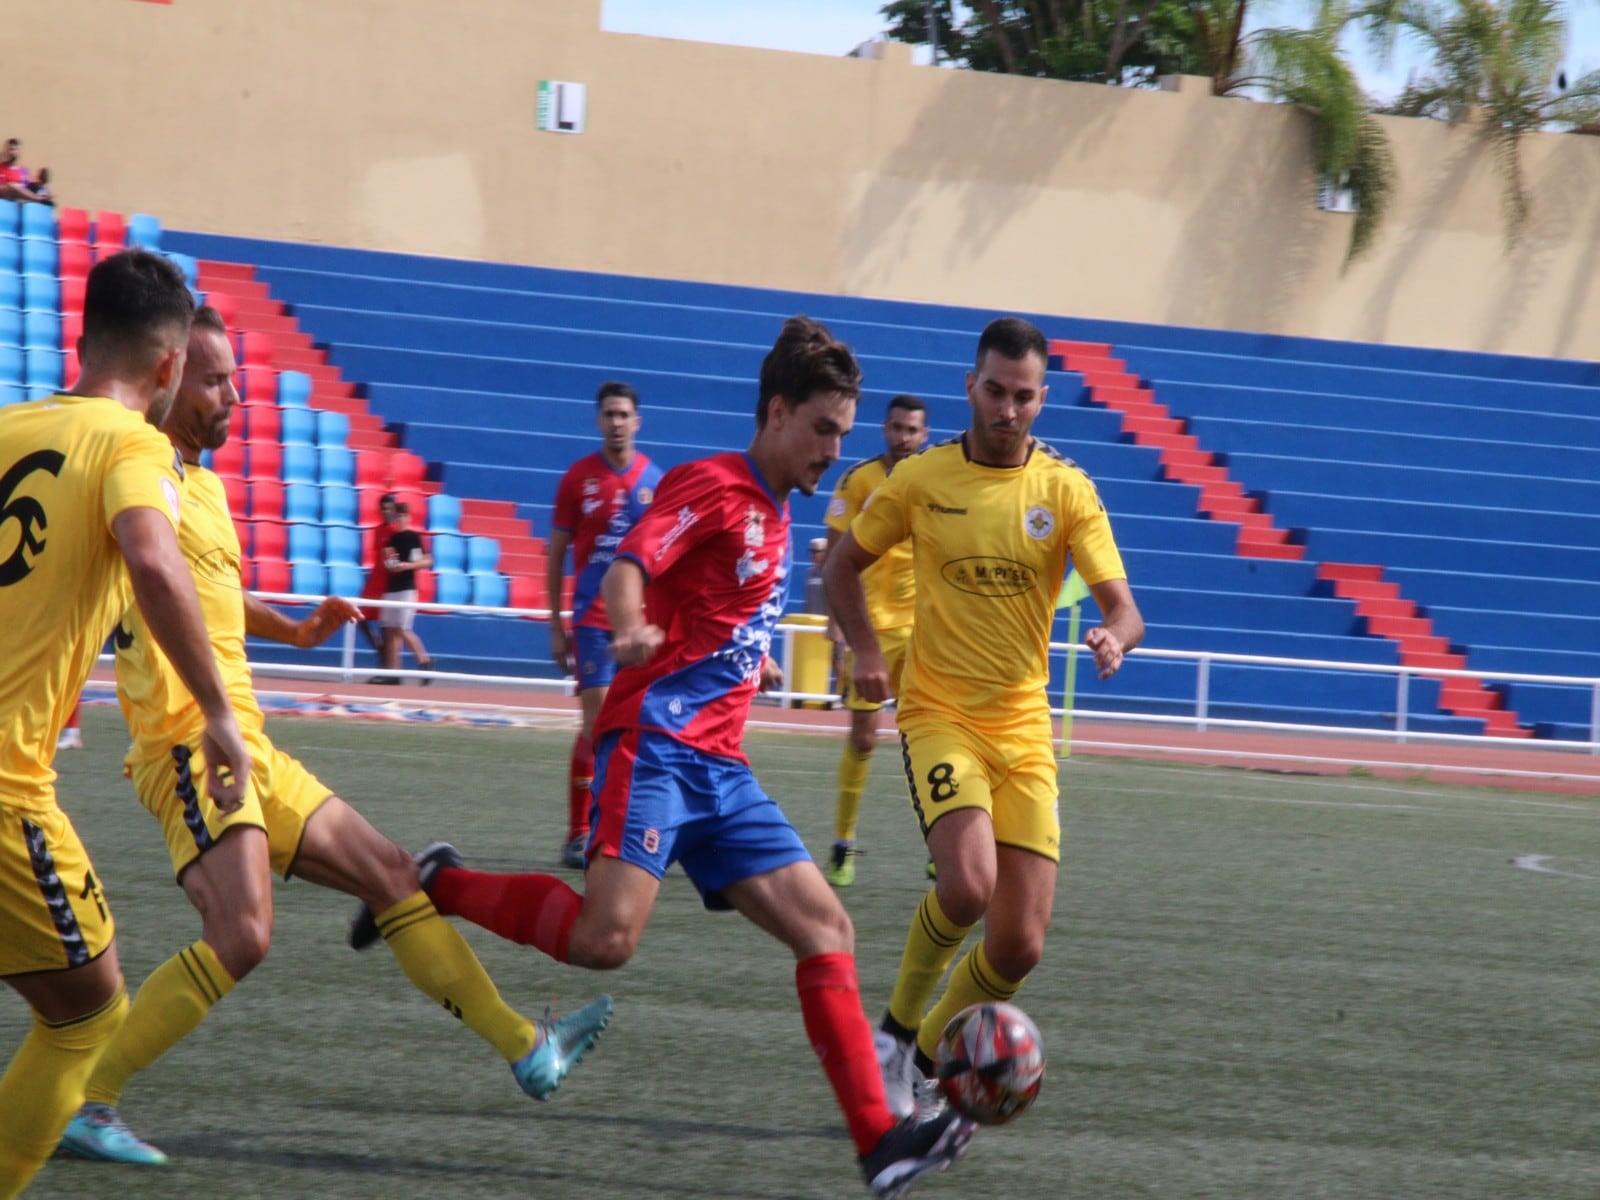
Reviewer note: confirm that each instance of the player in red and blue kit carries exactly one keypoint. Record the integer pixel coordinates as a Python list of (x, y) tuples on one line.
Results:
[(597, 502), (694, 593)]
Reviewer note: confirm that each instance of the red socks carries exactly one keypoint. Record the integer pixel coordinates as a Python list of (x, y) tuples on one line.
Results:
[(580, 775), (830, 1002), (531, 910)]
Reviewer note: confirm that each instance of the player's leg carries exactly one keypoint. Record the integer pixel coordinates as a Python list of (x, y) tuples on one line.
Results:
[(340, 849), (58, 953), (855, 760), (593, 667)]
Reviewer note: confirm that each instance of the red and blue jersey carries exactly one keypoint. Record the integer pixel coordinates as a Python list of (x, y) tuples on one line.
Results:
[(597, 504), (714, 548)]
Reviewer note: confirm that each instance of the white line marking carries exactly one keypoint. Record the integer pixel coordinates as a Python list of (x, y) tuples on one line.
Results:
[(1536, 863)]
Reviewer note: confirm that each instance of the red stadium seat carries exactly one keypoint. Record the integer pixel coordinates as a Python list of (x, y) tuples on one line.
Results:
[(73, 288), (255, 350), (241, 527), (264, 421), (237, 492), (270, 576), (372, 468), (427, 588), (270, 540), (72, 225), (258, 384), (71, 330), (406, 472), (266, 499), (525, 593), (266, 460), (228, 458), (110, 233), (73, 260), (227, 307), (237, 426)]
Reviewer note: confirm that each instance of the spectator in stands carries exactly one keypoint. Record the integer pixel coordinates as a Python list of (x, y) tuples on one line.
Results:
[(378, 577), (13, 175), (38, 188), (403, 556), (816, 598)]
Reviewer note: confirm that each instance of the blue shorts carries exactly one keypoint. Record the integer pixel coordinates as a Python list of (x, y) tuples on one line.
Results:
[(591, 657), (657, 802)]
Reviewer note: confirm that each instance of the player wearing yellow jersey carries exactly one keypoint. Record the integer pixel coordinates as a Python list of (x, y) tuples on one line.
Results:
[(288, 822), (994, 517), (88, 502), (891, 594)]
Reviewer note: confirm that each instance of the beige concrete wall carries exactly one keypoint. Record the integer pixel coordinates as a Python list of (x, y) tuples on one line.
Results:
[(409, 125)]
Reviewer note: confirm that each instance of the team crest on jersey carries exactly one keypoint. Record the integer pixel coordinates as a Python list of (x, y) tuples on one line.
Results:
[(644, 495), (837, 507), (755, 529), (1038, 523), (170, 491), (750, 566)]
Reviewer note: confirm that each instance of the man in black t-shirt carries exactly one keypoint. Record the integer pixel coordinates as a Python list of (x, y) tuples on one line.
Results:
[(403, 556)]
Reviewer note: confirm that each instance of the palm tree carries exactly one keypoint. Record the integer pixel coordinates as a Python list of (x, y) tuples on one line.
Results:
[(1495, 64)]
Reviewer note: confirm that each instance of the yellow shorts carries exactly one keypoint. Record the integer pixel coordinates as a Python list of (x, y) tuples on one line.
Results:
[(893, 643), (53, 915), (1011, 776), (280, 800)]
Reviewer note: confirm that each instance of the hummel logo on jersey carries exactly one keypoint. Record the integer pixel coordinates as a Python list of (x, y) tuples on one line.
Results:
[(750, 566), (26, 511), (949, 512)]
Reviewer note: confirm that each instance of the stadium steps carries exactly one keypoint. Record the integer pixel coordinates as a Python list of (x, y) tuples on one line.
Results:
[(1390, 615), (1148, 423)]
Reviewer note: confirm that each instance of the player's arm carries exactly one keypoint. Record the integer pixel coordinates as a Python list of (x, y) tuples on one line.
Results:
[(847, 602), (634, 640), (165, 593), (1121, 627), (555, 567), (263, 621)]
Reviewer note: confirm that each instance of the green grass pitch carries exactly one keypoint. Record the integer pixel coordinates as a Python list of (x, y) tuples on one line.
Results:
[(1256, 985)]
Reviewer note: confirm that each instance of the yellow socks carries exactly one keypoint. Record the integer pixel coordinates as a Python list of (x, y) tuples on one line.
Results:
[(44, 1085), (853, 768), (930, 946), (973, 981), (169, 1004), (439, 962)]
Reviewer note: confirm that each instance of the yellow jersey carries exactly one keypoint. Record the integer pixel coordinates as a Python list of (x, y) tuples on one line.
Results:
[(990, 546), (69, 465), (160, 710), (889, 583)]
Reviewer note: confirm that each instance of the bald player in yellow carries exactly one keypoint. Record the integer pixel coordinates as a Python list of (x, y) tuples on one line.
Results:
[(88, 509), (891, 594), (289, 824), (994, 517)]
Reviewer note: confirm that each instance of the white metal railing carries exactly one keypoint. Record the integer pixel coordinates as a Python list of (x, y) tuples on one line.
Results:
[(1200, 719)]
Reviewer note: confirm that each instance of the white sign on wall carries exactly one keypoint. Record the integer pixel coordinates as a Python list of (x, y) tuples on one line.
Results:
[(561, 106)]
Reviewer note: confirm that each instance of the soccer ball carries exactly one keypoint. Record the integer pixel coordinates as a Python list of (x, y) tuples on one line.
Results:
[(990, 1063)]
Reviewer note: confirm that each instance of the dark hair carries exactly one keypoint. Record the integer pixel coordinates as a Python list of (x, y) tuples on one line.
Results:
[(803, 361), (613, 387), (1013, 338), (387, 498), (906, 401), (134, 300), (206, 317), (402, 509)]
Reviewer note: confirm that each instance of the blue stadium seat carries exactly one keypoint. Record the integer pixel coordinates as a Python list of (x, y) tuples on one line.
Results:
[(305, 543), (299, 464), (452, 587), (336, 465), (333, 428), (10, 254), (294, 389), (41, 291), (483, 554), (341, 544), (10, 324), (41, 329), (11, 393), (341, 505), (13, 365), (10, 287), (298, 426), (302, 502), (489, 589), (186, 264), (449, 552), (40, 256), (11, 216), (144, 230), (39, 221), (345, 580), (444, 514), (307, 578), (43, 367)]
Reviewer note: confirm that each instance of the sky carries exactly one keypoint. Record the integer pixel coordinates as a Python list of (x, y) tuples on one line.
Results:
[(837, 26)]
